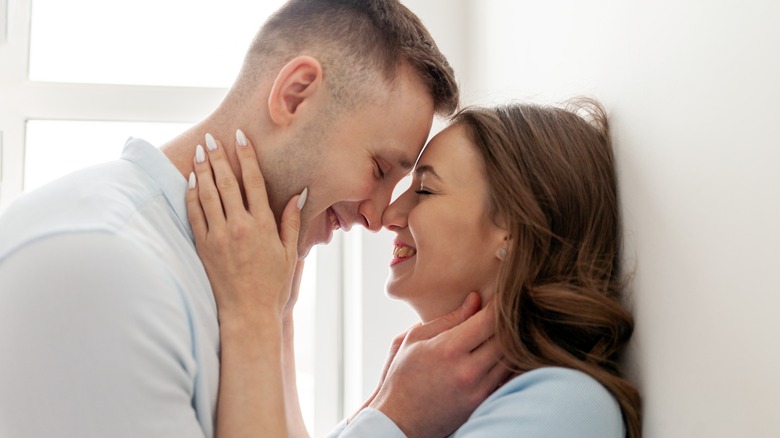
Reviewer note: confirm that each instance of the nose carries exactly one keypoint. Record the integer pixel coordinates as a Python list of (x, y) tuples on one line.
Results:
[(396, 215)]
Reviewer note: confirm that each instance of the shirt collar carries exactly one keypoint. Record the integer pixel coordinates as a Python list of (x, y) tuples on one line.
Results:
[(157, 165)]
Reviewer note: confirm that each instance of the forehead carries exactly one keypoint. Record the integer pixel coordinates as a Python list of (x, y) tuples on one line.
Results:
[(451, 157), (399, 121), (384, 131)]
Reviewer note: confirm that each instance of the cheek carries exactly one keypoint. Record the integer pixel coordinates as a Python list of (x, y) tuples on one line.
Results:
[(457, 254)]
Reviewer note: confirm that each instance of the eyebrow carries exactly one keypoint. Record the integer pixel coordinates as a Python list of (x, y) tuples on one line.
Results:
[(422, 170), (399, 159)]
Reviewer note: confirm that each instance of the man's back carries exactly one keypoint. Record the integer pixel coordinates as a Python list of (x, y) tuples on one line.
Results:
[(107, 321)]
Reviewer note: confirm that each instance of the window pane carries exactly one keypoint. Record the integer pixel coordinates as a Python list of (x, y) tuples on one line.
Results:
[(57, 147), (197, 43)]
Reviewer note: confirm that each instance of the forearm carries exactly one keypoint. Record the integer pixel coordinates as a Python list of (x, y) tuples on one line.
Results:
[(295, 424), (251, 395)]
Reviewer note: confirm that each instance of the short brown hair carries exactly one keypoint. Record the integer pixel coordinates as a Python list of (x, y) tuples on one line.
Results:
[(354, 40), (551, 181)]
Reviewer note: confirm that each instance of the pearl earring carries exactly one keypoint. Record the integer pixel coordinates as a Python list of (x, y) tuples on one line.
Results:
[(501, 253)]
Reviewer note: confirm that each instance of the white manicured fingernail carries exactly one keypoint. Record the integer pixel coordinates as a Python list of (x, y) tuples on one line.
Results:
[(240, 137), (210, 142), (302, 199), (193, 182), (200, 154)]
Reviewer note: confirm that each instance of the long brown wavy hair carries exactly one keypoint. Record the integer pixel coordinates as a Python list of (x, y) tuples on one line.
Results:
[(552, 185)]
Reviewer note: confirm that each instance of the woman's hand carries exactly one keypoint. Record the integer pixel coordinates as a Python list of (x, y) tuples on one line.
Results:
[(455, 358), (250, 265), (249, 260)]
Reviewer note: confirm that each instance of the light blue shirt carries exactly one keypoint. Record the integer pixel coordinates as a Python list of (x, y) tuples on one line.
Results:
[(547, 402), (108, 325)]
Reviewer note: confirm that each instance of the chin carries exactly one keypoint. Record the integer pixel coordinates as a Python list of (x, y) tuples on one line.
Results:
[(394, 291), (304, 248), (305, 245)]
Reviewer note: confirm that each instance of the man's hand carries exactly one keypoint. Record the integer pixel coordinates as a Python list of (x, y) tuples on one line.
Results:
[(442, 371)]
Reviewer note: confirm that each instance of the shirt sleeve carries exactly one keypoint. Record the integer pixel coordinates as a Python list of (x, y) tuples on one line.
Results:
[(95, 342), (548, 402), (368, 422)]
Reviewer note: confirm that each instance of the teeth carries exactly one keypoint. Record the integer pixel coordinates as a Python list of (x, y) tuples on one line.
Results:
[(402, 252), (334, 222)]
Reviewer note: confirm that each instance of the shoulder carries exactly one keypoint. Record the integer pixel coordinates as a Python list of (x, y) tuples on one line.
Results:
[(99, 198), (550, 401)]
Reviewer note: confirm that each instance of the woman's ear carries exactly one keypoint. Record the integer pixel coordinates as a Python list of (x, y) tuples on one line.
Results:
[(297, 82), (504, 246)]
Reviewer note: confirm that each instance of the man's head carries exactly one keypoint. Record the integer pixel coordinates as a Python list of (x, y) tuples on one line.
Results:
[(339, 97)]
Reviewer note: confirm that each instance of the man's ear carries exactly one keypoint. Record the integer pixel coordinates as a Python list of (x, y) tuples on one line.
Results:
[(296, 83)]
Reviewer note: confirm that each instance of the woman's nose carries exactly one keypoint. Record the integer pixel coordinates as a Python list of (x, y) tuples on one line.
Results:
[(396, 214)]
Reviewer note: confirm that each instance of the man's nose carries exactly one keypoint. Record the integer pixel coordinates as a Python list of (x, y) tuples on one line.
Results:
[(371, 214)]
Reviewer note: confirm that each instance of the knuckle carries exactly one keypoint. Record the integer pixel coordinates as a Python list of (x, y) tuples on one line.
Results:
[(466, 378), (238, 230), (254, 180), (226, 183), (414, 334), (207, 196), (448, 351)]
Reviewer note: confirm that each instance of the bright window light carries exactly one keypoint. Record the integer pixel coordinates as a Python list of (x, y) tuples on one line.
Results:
[(58, 147), (197, 43)]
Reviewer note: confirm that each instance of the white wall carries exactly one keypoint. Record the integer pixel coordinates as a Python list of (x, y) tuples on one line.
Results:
[(693, 91)]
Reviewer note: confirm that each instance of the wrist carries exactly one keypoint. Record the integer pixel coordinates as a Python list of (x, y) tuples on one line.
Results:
[(249, 324), (387, 410)]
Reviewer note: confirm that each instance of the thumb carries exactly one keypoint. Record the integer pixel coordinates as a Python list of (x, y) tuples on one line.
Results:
[(291, 223), (440, 325)]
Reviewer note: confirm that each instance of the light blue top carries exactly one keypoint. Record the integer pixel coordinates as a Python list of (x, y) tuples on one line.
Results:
[(547, 402), (108, 325)]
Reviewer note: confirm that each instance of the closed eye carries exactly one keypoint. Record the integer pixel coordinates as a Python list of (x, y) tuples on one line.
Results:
[(380, 174), (423, 192)]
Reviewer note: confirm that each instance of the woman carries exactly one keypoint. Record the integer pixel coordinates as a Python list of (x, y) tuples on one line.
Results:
[(520, 203)]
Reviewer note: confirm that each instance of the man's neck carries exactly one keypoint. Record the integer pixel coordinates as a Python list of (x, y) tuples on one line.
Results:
[(181, 150)]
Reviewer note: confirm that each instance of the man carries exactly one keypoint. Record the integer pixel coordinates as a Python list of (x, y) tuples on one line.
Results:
[(108, 324)]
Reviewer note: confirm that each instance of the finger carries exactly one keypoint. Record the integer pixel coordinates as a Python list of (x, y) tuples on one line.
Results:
[(225, 179), (291, 224), (475, 330), (194, 210), (207, 191), (488, 354), (254, 183), (450, 320), (391, 353), (496, 377)]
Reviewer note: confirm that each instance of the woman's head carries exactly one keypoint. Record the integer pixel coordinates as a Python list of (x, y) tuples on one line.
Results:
[(446, 243), (540, 232)]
